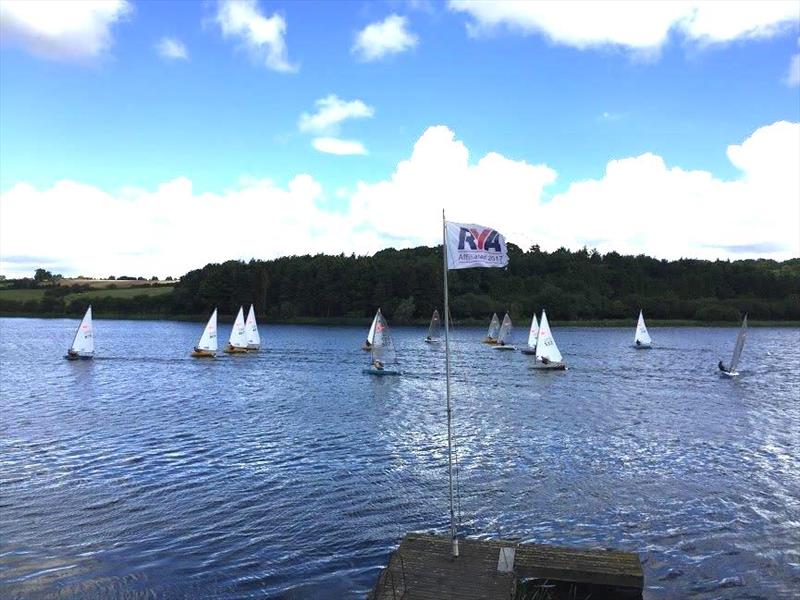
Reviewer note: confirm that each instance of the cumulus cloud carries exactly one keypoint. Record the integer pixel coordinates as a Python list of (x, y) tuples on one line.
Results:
[(639, 26), (62, 30), (332, 145), (331, 112), (640, 205), (263, 37), (172, 48), (390, 36)]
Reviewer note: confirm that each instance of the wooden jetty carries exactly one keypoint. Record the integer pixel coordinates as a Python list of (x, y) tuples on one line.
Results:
[(423, 568)]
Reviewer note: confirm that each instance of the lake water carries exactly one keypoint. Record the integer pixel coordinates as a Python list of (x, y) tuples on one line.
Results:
[(291, 474)]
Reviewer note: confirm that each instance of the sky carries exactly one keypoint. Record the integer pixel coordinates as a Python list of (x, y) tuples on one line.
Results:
[(150, 138)]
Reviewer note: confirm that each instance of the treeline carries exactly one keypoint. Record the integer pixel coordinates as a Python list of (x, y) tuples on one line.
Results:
[(407, 285)]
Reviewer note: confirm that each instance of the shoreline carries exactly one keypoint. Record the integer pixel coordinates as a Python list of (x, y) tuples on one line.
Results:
[(364, 322)]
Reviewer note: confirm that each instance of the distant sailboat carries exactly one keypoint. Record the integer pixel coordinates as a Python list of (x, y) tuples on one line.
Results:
[(504, 336), (382, 353), (533, 333), (207, 346), (642, 339), (494, 330), (434, 329), (367, 345), (730, 371), (547, 355), (251, 331), (237, 343), (82, 347)]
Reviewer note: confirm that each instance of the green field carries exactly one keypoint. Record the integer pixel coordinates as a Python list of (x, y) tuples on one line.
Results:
[(21, 295), (131, 292)]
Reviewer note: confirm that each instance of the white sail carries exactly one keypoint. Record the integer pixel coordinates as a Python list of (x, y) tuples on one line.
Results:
[(251, 327), (494, 327), (238, 337), (545, 343), (382, 348), (84, 337), (534, 332), (435, 327), (371, 334), (642, 337), (505, 330), (208, 341), (737, 350)]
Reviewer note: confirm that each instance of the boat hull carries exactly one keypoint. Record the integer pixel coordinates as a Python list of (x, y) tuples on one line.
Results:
[(235, 350), (551, 366), (366, 348), (490, 341), (529, 351), (729, 374), (427, 341), (253, 347), (643, 346), (505, 347), (79, 356), (380, 372), (203, 354)]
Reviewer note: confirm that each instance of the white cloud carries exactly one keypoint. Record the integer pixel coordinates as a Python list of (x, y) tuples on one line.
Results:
[(639, 205), (63, 30), (262, 36), (640, 26), (792, 78), (390, 36), (331, 112), (172, 49), (332, 145)]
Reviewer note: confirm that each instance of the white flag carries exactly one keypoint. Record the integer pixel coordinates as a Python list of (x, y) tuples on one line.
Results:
[(474, 246)]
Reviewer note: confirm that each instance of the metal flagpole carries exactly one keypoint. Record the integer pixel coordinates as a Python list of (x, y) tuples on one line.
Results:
[(447, 379)]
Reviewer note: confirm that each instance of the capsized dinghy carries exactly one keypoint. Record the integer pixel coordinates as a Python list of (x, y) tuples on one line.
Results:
[(207, 346), (533, 333), (382, 353), (434, 329), (504, 336), (642, 339), (237, 342), (82, 347), (251, 329), (548, 358), (494, 330), (730, 371)]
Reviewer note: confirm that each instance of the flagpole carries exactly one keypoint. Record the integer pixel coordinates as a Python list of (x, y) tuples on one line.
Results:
[(447, 386)]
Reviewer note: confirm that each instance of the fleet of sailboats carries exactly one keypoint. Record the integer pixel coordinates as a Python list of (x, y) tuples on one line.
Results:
[(730, 370), (504, 335), (642, 338), (207, 346), (237, 342), (494, 330), (82, 347), (533, 333)]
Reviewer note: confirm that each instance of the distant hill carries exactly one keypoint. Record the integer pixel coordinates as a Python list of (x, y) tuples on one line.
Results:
[(407, 285)]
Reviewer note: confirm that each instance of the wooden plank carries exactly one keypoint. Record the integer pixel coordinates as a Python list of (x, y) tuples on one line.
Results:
[(422, 568)]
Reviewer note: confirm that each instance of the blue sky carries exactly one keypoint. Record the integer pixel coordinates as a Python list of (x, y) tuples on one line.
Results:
[(123, 116)]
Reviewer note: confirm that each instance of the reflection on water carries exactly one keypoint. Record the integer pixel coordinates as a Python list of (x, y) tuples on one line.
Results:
[(291, 474)]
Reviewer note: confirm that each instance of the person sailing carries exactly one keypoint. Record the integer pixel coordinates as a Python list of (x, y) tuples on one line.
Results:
[(639, 343), (722, 367), (377, 364)]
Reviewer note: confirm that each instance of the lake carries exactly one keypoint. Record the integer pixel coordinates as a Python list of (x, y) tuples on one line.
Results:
[(290, 474)]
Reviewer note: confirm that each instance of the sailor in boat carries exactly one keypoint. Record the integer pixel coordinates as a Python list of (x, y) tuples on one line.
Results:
[(723, 368), (72, 353), (367, 345), (428, 339), (545, 360), (377, 364), (639, 343)]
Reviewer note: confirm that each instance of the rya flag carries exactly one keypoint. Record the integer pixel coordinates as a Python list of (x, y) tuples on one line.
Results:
[(474, 246)]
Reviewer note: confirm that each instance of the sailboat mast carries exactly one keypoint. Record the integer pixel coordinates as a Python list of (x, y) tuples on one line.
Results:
[(447, 386)]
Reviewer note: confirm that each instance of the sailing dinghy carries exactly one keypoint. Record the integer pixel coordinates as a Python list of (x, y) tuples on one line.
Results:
[(251, 330), (494, 330), (82, 347), (533, 333), (382, 353), (548, 358), (367, 345), (207, 346), (434, 329), (730, 371), (641, 340), (504, 335), (237, 343)]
